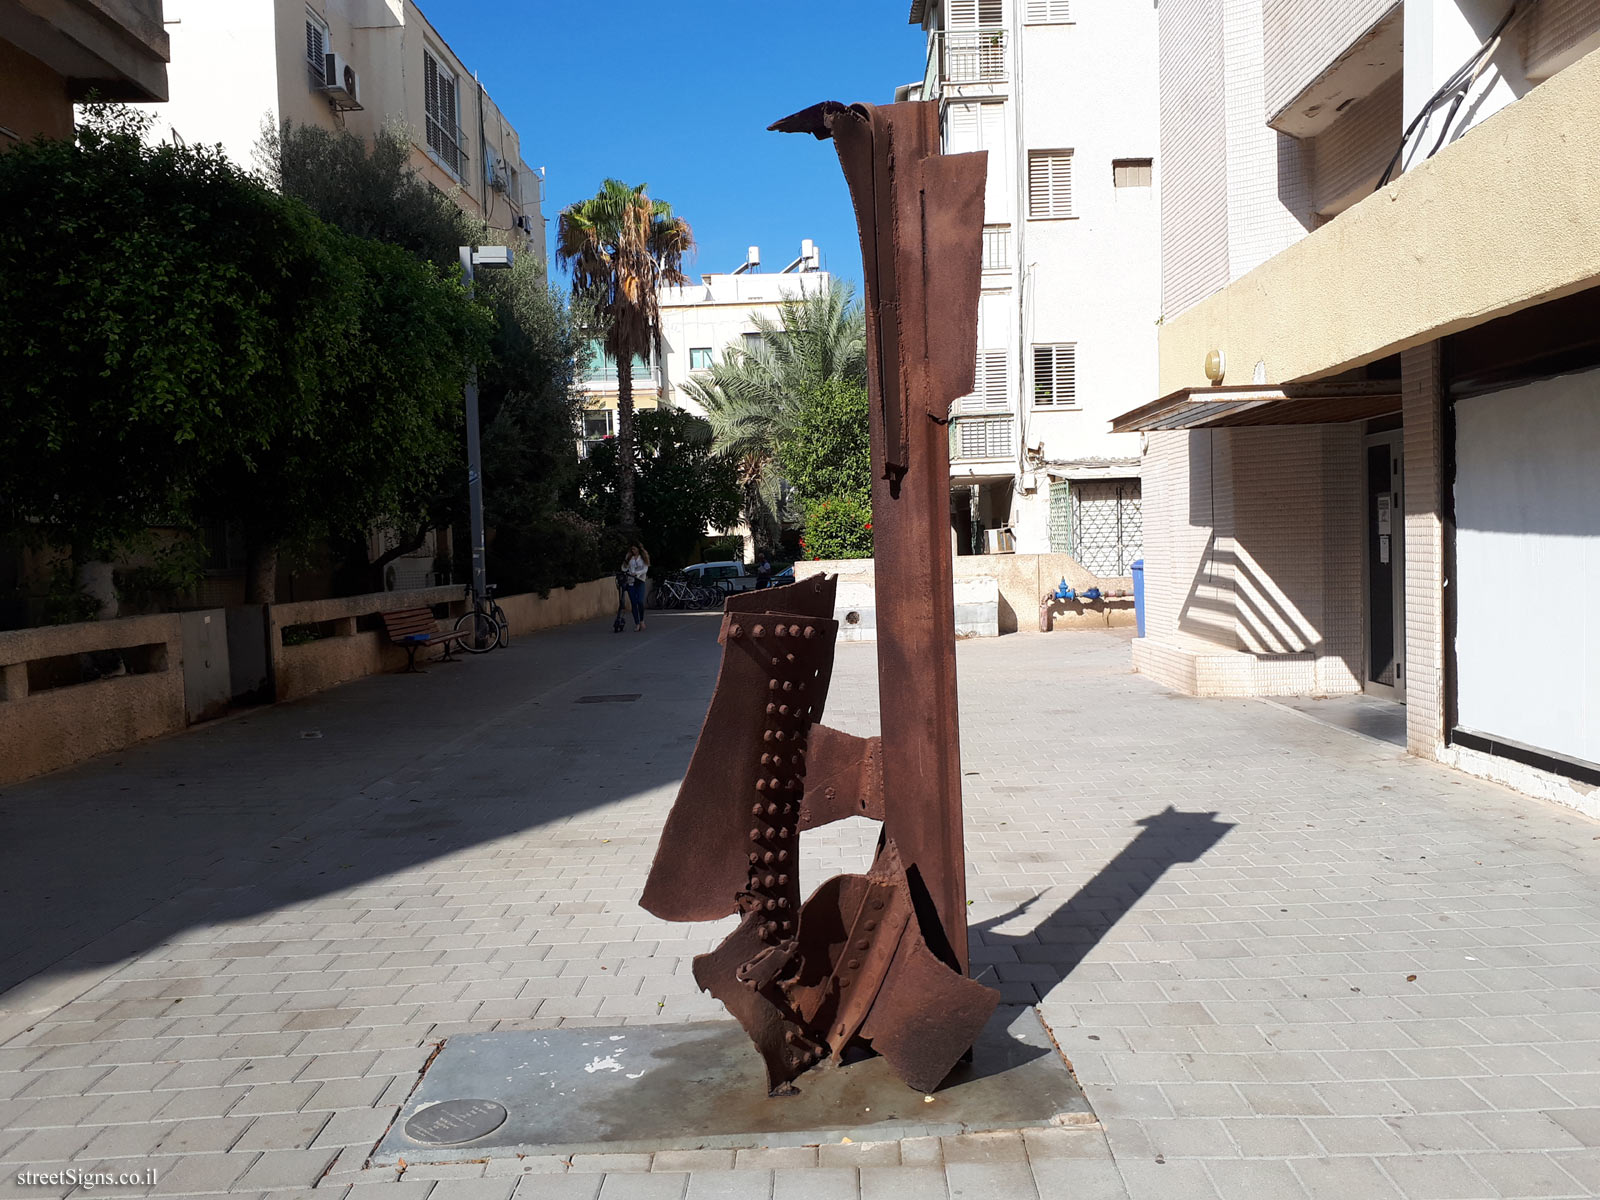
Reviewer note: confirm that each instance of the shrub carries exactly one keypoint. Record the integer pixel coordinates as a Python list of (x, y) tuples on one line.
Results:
[(838, 527)]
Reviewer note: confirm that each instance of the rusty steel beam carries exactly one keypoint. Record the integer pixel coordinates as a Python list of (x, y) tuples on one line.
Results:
[(879, 960)]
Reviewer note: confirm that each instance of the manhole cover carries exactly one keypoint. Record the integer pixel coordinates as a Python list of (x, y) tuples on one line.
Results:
[(452, 1122), (622, 698)]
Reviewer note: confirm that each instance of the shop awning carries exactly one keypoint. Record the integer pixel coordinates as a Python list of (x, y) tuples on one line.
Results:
[(1264, 404)]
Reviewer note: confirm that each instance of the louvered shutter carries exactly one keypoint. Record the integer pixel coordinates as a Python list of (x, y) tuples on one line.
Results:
[(961, 14), (316, 50), (1047, 12), (430, 99), (1055, 375), (990, 394), (963, 126), (1049, 184)]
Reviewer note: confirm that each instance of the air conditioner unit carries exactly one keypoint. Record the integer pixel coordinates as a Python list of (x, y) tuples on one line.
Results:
[(340, 83)]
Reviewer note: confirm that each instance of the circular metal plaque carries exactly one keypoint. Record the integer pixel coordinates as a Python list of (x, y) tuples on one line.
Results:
[(452, 1122)]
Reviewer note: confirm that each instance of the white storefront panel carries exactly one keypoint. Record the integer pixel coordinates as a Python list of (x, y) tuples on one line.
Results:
[(1527, 586)]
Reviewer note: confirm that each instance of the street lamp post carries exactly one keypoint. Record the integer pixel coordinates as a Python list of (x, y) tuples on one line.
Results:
[(489, 258)]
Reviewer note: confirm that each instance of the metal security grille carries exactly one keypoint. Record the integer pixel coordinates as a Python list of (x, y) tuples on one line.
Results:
[(1107, 531), (981, 437), (1061, 517)]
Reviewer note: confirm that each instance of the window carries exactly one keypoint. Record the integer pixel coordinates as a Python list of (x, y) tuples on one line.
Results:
[(974, 14), (316, 46), (752, 342), (441, 101), (1055, 375), (983, 127), (1047, 12), (1131, 173), (996, 247), (1049, 184), (700, 358), (598, 425)]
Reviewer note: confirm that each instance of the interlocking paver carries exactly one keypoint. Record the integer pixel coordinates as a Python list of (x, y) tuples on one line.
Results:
[(1233, 992)]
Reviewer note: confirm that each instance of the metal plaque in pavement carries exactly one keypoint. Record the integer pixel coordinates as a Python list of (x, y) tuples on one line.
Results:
[(455, 1122)]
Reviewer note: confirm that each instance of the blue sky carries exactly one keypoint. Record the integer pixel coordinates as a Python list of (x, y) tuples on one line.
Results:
[(679, 96)]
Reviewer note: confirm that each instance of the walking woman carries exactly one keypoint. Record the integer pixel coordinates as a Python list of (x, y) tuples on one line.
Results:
[(636, 566)]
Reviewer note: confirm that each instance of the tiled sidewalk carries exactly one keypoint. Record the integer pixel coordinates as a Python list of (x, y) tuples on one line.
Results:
[(1284, 960)]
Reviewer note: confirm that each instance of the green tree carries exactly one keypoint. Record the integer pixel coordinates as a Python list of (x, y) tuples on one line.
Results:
[(370, 191), (838, 527), (827, 451), (682, 487), (754, 396), (528, 398), (176, 338), (621, 247)]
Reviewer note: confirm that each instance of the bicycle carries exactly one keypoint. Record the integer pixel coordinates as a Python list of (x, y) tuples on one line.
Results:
[(484, 624)]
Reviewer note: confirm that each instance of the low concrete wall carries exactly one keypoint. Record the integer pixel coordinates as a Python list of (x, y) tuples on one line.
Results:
[(977, 600), (563, 606), (1020, 581), (353, 652), (41, 730)]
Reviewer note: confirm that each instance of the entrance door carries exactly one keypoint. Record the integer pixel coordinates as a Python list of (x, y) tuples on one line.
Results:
[(1386, 592)]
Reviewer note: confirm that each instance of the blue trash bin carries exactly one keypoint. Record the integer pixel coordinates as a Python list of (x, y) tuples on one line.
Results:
[(1138, 594)]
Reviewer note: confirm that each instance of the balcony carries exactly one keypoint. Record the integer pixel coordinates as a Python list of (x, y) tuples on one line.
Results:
[(961, 56), (997, 247), (982, 439)]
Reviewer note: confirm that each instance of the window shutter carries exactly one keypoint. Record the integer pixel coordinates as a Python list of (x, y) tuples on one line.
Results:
[(961, 14), (430, 86), (315, 49), (1049, 183), (963, 128), (990, 393), (1055, 375), (1047, 12)]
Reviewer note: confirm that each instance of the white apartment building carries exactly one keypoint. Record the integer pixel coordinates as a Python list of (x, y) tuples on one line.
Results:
[(1371, 452), (1062, 95), (699, 321), (246, 65)]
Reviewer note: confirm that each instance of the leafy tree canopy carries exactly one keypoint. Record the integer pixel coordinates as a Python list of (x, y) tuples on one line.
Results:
[(682, 488), (826, 451), (177, 338)]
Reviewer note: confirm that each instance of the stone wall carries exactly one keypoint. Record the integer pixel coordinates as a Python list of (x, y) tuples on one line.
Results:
[(1013, 584), (50, 719)]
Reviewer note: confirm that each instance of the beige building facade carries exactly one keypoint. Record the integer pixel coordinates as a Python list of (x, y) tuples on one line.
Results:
[(1369, 465), (55, 53), (360, 65)]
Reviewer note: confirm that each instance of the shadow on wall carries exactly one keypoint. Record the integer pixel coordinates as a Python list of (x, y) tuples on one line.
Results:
[(1234, 603), (1065, 937)]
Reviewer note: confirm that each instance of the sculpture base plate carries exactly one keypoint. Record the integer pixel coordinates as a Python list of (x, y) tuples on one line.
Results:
[(701, 1086)]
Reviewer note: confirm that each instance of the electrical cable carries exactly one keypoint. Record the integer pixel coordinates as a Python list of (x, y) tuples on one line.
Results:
[(1459, 83)]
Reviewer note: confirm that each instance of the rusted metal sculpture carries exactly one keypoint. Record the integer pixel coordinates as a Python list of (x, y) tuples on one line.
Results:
[(876, 960)]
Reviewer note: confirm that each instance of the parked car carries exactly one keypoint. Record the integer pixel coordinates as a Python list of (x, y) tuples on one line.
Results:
[(784, 576), (731, 576)]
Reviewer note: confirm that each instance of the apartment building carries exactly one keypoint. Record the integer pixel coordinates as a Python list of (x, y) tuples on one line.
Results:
[(54, 53), (360, 65), (1369, 461), (699, 321), (1062, 96)]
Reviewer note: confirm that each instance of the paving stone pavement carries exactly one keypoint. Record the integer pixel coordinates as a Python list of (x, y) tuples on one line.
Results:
[(1284, 959)]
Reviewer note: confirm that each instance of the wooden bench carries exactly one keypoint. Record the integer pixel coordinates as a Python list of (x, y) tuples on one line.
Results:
[(413, 628)]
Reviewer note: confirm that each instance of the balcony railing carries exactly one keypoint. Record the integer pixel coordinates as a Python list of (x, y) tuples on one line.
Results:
[(969, 56), (997, 247), (982, 438)]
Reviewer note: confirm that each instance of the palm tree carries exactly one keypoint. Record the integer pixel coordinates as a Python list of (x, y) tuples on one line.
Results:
[(621, 246), (753, 395)]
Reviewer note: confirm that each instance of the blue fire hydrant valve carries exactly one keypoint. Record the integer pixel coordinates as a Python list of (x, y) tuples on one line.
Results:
[(1064, 592)]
